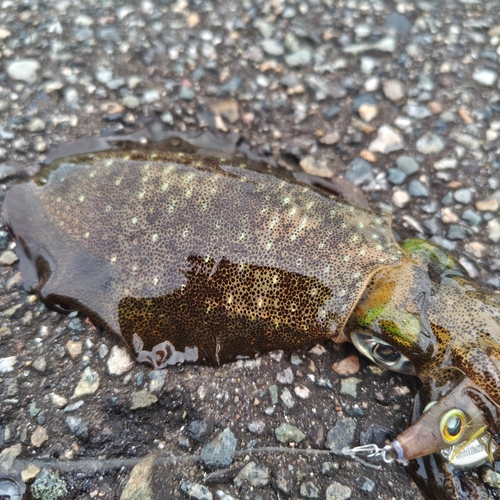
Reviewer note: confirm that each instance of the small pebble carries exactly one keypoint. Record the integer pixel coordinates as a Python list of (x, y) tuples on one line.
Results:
[(407, 164), (88, 384), (349, 386), (8, 258), (142, 399), (309, 490), (418, 189), (49, 485), (430, 143), (218, 453), (287, 398), (445, 163), (78, 426), (285, 377), (256, 427), (463, 196), (484, 76), (337, 491), (488, 205), (24, 70), (359, 172), (342, 434), (256, 475), (286, 433), (396, 176), (368, 112), (119, 361), (394, 90), (302, 392), (400, 197), (348, 366), (39, 436), (195, 490), (494, 230), (387, 141)]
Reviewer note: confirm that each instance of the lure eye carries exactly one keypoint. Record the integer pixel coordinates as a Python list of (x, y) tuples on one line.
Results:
[(382, 353), (452, 425)]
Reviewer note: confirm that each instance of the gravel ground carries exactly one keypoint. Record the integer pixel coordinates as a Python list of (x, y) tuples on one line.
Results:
[(402, 98)]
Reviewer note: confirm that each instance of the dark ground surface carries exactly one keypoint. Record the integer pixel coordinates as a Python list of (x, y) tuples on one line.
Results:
[(287, 76)]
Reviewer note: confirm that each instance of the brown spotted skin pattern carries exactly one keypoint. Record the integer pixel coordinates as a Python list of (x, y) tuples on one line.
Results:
[(194, 251)]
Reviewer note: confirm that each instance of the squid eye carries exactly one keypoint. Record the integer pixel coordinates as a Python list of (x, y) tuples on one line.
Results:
[(382, 353), (386, 354), (452, 425)]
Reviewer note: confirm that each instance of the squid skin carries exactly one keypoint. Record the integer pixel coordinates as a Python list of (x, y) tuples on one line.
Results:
[(190, 248)]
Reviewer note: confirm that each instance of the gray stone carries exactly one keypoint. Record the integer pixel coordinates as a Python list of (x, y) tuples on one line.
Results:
[(7, 171), (285, 377), (394, 90), (256, 426), (396, 176), (24, 70), (273, 392), (75, 325), (463, 196), (256, 475), (349, 386), (199, 430), (195, 490), (152, 95), (286, 433), (416, 111), (472, 217), (48, 485), (430, 143), (142, 399), (88, 383), (359, 172), (456, 232), (445, 163), (287, 398), (78, 426), (418, 189), (273, 47), (342, 434), (494, 230), (219, 452), (186, 93), (301, 57), (309, 490), (485, 76), (324, 89), (115, 83), (398, 23), (157, 380), (131, 101), (466, 140), (407, 164), (431, 225), (337, 491), (368, 485), (388, 140), (35, 125)]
